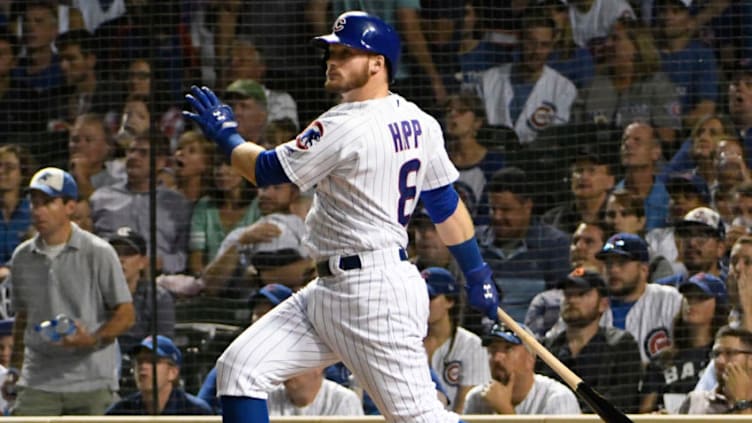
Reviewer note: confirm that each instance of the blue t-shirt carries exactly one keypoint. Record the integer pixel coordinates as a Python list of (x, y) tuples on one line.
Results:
[(180, 403), (13, 231), (580, 68), (694, 72), (619, 310)]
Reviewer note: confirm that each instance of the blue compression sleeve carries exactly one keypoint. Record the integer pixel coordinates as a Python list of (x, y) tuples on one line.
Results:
[(467, 255), (440, 203), (269, 170), (244, 409)]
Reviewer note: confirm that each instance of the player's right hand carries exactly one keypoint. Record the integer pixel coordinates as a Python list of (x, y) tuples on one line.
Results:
[(481, 291), (216, 119)]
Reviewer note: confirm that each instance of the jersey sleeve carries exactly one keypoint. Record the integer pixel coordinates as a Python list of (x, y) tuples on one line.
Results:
[(440, 170), (316, 152)]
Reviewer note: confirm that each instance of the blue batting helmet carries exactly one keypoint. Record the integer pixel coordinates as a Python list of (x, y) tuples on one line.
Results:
[(362, 31)]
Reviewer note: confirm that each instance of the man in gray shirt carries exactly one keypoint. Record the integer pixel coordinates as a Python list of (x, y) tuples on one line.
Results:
[(514, 387), (127, 204), (65, 270)]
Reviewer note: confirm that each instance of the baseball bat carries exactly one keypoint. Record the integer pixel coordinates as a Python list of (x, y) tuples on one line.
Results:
[(607, 411)]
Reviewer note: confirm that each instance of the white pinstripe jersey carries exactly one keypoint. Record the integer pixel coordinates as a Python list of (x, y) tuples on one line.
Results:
[(368, 162)]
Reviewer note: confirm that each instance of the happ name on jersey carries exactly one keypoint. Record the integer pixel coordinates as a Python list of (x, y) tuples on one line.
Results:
[(403, 131)]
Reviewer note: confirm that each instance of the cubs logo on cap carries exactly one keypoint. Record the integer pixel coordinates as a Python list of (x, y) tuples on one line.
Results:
[(55, 183)]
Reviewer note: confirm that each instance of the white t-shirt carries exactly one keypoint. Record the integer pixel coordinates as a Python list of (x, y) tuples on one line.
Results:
[(465, 365), (332, 400), (547, 396)]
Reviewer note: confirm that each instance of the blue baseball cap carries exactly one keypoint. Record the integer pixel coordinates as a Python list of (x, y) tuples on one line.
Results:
[(626, 245), (165, 349), (710, 285), (499, 332), (55, 183), (439, 281), (6, 327), (688, 182), (274, 293)]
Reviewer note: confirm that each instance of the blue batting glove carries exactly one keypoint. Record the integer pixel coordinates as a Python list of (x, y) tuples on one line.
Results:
[(216, 119), (481, 291)]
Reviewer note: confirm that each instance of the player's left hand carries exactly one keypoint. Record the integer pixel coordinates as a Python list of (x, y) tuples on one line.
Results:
[(481, 291), (215, 118)]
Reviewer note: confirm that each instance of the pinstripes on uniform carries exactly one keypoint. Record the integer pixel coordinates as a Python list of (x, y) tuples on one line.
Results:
[(368, 162)]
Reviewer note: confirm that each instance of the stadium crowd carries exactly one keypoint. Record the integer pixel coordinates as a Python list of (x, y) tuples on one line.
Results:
[(604, 150)]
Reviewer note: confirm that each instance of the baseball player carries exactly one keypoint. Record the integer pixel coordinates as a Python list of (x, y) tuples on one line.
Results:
[(368, 159)]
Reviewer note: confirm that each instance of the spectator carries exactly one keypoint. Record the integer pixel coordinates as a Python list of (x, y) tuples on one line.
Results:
[(49, 273), (6, 349), (592, 20), (526, 256), (16, 169), (739, 288), (699, 241), (631, 87), (225, 207), (429, 250), (640, 151), (269, 250), (39, 69), (528, 95), (309, 394), (741, 204), (625, 213), (261, 302), (687, 191), (173, 401), (688, 63), (672, 375), (476, 163), (740, 104), (606, 358), (84, 91), (514, 387), (544, 309), (572, 61), (279, 131), (127, 204), (249, 104), (591, 180), (90, 149), (643, 309), (130, 247), (454, 352), (701, 149), (731, 170), (247, 63), (17, 101), (731, 355), (135, 120), (193, 161)]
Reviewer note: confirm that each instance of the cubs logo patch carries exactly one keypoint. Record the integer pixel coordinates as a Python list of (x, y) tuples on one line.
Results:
[(656, 341), (339, 25), (310, 136), (452, 372), (543, 116)]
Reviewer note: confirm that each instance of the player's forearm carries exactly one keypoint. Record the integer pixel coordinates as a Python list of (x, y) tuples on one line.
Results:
[(458, 228), (244, 160)]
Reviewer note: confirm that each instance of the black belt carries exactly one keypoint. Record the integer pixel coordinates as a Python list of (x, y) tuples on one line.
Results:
[(348, 263)]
